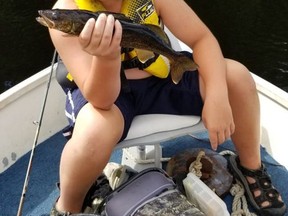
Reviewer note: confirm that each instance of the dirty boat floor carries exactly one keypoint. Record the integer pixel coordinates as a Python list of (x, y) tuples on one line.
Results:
[(42, 190)]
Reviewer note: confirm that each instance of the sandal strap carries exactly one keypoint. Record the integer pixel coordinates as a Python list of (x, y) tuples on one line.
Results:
[(269, 196), (267, 193), (261, 172), (262, 183)]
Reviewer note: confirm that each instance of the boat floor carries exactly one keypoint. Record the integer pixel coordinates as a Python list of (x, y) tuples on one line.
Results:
[(42, 191)]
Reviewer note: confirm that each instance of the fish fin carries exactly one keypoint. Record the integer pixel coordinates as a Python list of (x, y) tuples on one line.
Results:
[(159, 31), (180, 65), (144, 55)]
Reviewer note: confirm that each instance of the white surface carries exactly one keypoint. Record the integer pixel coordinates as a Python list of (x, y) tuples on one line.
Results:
[(20, 107), (144, 125), (199, 193)]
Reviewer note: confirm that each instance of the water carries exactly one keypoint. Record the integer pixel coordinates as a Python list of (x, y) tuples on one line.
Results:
[(25, 47), (252, 32)]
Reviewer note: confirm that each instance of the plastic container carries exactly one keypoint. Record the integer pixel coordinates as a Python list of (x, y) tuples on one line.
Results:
[(199, 193)]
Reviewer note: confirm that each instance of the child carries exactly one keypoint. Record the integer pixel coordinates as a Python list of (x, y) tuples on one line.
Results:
[(222, 91)]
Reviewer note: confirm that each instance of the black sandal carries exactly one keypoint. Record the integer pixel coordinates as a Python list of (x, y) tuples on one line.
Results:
[(263, 184)]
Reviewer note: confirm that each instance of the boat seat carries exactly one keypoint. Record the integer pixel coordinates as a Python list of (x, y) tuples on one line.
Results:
[(152, 129)]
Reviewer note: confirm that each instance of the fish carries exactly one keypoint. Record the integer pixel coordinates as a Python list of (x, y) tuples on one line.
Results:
[(141, 37)]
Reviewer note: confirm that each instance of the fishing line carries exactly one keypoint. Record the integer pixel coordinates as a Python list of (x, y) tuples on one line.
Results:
[(39, 123)]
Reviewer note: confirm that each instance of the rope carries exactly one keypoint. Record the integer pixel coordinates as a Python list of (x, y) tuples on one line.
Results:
[(196, 166), (226, 152), (239, 205)]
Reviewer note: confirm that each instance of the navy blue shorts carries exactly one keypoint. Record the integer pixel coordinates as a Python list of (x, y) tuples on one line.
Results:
[(150, 95)]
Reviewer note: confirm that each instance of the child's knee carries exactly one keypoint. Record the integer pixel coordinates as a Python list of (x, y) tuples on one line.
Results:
[(98, 126), (238, 76)]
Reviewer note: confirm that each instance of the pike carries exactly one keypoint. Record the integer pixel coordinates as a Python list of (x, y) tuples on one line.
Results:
[(144, 38)]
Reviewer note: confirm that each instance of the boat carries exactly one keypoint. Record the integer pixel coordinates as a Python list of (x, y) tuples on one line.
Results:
[(23, 127)]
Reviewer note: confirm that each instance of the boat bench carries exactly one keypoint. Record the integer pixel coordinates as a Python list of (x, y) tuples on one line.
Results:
[(152, 129)]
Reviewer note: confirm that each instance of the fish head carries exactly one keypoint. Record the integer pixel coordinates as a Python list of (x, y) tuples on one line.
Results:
[(55, 20)]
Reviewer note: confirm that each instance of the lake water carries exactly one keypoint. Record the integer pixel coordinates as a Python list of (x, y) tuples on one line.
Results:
[(252, 32)]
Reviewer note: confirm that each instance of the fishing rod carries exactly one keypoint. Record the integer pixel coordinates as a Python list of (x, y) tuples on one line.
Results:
[(39, 123)]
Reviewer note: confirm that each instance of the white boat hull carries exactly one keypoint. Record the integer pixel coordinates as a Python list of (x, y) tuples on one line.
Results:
[(20, 109)]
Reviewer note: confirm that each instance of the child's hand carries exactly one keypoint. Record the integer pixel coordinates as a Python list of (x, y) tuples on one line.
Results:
[(218, 119), (102, 37)]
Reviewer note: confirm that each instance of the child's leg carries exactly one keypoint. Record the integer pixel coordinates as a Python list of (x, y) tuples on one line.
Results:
[(85, 155), (245, 106)]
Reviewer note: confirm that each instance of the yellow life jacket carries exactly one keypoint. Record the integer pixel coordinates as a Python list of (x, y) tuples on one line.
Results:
[(140, 11)]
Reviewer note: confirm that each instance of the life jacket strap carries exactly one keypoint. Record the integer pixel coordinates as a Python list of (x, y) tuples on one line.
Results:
[(135, 63)]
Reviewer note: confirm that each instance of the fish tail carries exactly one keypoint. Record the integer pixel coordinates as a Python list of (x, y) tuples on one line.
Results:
[(181, 64)]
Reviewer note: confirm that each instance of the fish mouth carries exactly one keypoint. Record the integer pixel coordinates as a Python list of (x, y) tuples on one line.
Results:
[(44, 20)]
